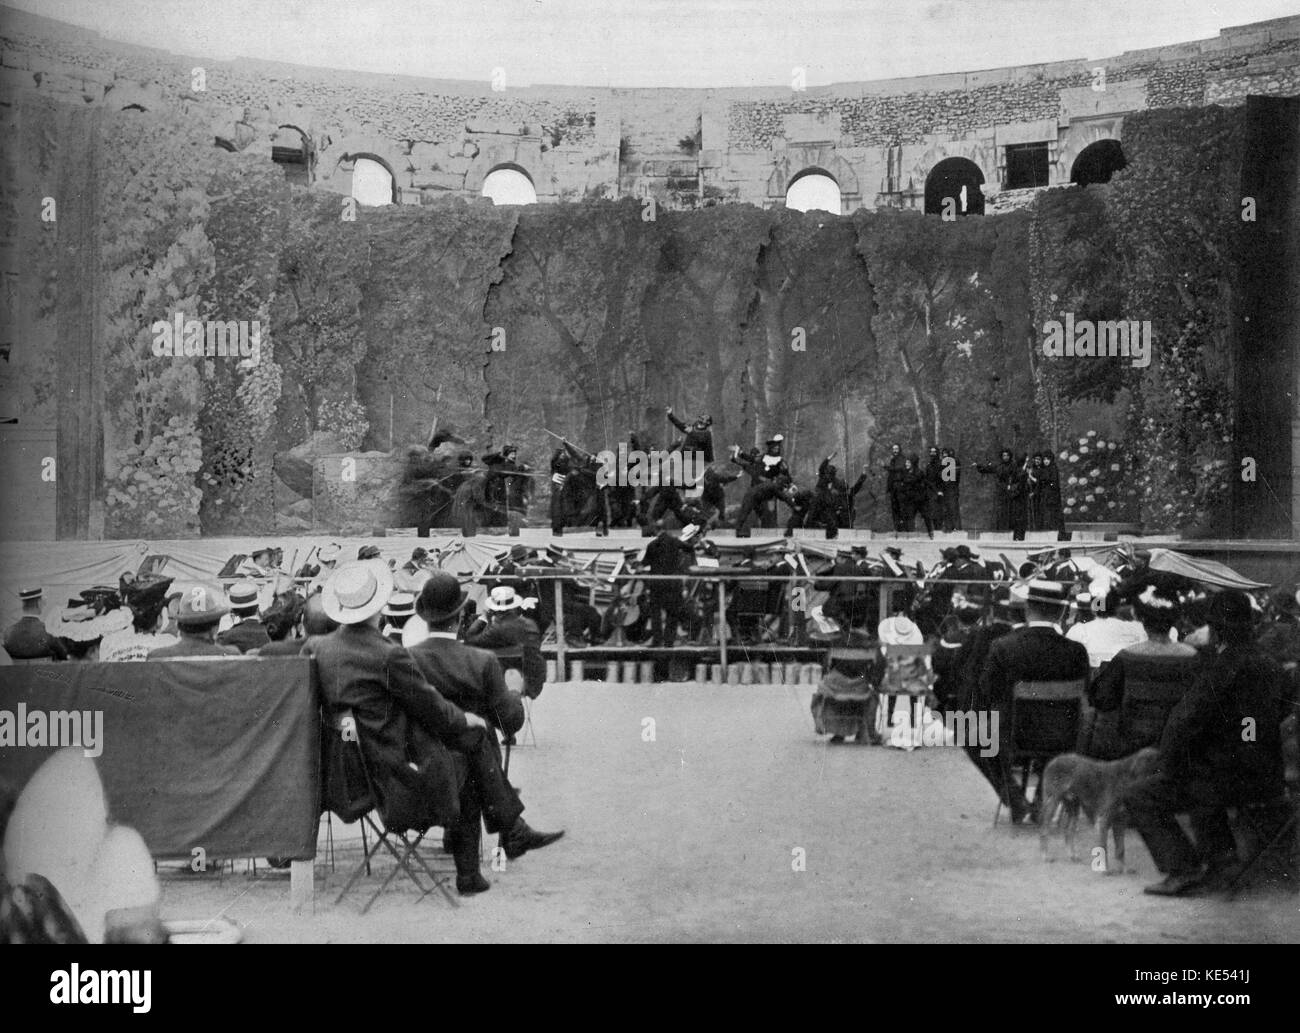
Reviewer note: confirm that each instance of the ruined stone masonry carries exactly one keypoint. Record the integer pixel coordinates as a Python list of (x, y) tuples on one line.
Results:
[(1009, 130)]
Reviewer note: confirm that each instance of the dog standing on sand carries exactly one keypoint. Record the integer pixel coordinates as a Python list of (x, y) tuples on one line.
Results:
[(1072, 781)]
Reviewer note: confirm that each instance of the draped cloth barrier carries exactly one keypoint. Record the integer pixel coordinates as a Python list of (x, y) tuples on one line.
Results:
[(217, 755), (63, 568)]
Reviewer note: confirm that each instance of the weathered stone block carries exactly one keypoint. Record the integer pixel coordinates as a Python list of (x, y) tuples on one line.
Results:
[(424, 180), (13, 59), (13, 79)]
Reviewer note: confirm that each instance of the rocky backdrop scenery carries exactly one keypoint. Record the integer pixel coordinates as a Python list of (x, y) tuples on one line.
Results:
[(587, 316)]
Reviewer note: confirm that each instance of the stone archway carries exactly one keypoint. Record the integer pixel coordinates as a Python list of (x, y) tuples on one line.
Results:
[(959, 179), (814, 190), (509, 183), (1097, 162)]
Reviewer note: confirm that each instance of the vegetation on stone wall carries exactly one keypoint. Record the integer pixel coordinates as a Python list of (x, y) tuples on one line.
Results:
[(157, 260), (588, 319), (1177, 216)]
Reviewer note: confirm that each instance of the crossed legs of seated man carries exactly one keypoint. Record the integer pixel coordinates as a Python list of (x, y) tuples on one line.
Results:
[(1154, 804), (487, 799)]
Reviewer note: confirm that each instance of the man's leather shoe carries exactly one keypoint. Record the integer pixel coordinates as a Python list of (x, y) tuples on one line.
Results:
[(522, 838), (472, 883), (1219, 877), (1176, 885)]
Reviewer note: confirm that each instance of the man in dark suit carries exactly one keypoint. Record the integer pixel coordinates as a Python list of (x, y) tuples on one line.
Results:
[(27, 639), (468, 676), (1208, 760), (667, 554), (1036, 652), (505, 627), (248, 631), (403, 721)]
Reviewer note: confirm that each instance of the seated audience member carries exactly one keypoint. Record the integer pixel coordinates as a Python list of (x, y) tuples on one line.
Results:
[(404, 722), (845, 702), (1206, 764), (82, 625), (504, 625), (397, 611), (967, 611), (247, 632), (327, 559), (282, 620), (1036, 652), (147, 598), (898, 629), (1156, 658), (1280, 638), (200, 611), (1105, 635), (315, 621), (466, 675), (27, 639)]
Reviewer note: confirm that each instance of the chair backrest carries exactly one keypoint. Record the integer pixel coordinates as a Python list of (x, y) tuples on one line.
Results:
[(1045, 717), (346, 787), (528, 664), (1145, 708)]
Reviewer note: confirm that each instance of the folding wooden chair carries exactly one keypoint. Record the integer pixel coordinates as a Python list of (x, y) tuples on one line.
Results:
[(907, 675), (350, 793), (1145, 708), (1044, 724)]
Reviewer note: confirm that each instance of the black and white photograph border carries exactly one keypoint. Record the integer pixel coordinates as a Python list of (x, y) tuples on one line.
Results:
[(684, 471)]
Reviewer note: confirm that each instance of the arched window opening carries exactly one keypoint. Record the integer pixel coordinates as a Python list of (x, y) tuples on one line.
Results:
[(959, 179), (508, 185), (1097, 162), (814, 192), (372, 183), (289, 151)]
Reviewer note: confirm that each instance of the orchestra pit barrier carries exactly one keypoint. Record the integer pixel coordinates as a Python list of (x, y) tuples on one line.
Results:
[(733, 663)]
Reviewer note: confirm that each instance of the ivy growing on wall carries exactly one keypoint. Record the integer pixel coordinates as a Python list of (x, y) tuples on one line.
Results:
[(156, 259)]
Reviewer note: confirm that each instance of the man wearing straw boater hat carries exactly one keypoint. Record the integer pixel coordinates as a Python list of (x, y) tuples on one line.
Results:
[(505, 627), (405, 724), (248, 631)]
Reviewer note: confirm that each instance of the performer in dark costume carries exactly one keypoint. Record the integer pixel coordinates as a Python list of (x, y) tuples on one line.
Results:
[(667, 554), (893, 478), (518, 485), (713, 499), (800, 501), (912, 492), (769, 477), (951, 490), (561, 467), (1049, 486), (1009, 509), (934, 488), (696, 438), (1033, 492), (830, 508)]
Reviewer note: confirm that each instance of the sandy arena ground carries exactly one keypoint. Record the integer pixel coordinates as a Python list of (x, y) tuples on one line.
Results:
[(692, 837)]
